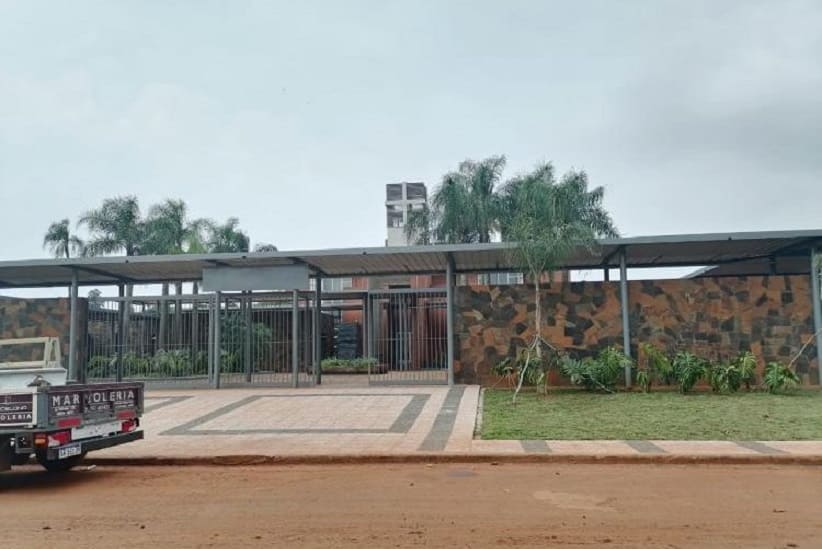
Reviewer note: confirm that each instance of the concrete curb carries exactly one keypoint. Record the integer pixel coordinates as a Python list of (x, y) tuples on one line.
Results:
[(491, 459)]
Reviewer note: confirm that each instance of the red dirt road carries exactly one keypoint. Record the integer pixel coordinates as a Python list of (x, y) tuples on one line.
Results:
[(472, 505)]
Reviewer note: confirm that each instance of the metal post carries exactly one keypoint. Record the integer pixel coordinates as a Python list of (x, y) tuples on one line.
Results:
[(246, 304), (364, 326), (73, 320), (295, 340), (318, 331), (626, 322), (449, 314), (163, 306), (121, 336), (817, 309), (218, 298), (606, 274), (210, 342)]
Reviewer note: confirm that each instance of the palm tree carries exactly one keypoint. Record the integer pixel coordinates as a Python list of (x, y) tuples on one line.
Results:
[(227, 237), (169, 231), (116, 226), (549, 221), (60, 242), (464, 208)]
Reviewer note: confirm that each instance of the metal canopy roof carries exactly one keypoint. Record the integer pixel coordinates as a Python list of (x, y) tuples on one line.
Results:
[(733, 253)]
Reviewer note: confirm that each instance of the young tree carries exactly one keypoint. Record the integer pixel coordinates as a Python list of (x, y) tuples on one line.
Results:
[(547, 221), (60, 242)]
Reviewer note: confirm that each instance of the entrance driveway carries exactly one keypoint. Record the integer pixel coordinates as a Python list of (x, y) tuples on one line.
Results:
[(307, 421), (338, 420)]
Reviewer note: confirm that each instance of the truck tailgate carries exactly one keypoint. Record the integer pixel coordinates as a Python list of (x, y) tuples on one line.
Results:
[(72, 405)]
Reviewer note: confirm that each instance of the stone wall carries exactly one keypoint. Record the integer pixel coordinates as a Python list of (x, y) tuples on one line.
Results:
[(21, 318), (713, 317)]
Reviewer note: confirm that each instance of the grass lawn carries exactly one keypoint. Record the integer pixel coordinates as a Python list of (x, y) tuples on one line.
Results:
[(564, 415)]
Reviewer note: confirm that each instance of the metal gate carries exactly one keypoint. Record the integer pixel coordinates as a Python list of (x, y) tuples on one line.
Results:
[(407, 336), (207, 340), (161, 340), (257, 340)]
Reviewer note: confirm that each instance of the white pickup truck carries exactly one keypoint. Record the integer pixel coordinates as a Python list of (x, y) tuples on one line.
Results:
[(58, 422)]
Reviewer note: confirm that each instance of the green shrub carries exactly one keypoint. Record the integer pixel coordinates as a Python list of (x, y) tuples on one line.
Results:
[(355, 364), (779, 377), (729, 377), (536, 374), (597, 374), (687, 369), (101, 366), (656, 367)]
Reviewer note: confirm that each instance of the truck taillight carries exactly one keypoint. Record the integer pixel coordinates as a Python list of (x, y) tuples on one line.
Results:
[(129, 426), (40, 440), (59, 438)]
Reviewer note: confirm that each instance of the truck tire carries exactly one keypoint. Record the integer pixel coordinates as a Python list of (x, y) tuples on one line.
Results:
[(59, 465)]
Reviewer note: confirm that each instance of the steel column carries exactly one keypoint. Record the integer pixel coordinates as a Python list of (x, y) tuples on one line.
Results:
[(317, 331), (816, 266), (249, 328), (626, 321), (364, 327), (122, 337), (449, 317), (295, 339), (73, 320), (217, 346), (162, 305)]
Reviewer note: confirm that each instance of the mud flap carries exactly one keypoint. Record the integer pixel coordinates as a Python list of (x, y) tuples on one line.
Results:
[(5, 453)]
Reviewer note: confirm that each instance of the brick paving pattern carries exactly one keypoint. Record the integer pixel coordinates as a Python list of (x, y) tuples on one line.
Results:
[(370, 421)]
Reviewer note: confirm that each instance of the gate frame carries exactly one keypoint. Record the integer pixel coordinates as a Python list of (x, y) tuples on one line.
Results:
[(372, 323)]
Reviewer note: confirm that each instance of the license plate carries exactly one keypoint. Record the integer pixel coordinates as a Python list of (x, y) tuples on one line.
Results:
[(98, 430), (69, 451)]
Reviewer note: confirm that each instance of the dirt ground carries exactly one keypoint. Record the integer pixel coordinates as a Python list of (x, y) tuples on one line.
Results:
[(442, 505)]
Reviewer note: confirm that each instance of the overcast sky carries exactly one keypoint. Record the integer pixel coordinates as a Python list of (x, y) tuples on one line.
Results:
[(292, 116)]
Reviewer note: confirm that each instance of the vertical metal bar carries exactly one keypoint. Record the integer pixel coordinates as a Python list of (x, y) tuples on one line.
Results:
[(317, 332), (816, 266), (73, 320), (305, 334), (249, 328), (210, 340), (626, 322), (364, 326), (163, 306), (218, 297), (195, 330), (121, 333), (606, 272), (295, 339), (449, 313)]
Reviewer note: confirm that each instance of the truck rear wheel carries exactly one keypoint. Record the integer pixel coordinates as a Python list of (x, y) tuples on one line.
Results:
[(59, 465)]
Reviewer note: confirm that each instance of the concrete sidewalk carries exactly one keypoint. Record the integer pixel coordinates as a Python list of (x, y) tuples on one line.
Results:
[(400, 422)]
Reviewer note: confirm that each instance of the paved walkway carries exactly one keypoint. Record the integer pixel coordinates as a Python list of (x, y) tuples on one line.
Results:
[(370, 421)]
